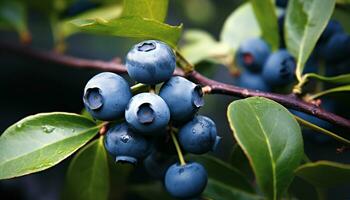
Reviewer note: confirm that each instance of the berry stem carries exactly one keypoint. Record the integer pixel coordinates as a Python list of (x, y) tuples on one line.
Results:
[(152, 89), (177, 146)]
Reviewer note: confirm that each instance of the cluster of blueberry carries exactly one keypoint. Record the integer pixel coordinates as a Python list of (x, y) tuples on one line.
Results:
[(263, 69), (151, 119)]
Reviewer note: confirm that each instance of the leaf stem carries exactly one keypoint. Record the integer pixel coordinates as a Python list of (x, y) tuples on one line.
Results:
[(322, 130), (183, 63), (177, 146)]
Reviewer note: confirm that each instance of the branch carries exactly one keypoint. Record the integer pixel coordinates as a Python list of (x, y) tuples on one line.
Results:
[(214, 87)]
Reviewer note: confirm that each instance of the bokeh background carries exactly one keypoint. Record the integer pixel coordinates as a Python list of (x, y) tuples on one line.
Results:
[(30, 86)]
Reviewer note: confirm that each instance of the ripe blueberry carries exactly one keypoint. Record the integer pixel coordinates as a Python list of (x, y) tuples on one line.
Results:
[(279, 68), (126, 145), (252, 81), (106, 96), (156, 164), (332, 28), (147, 113), (183, 97), (186, 181), (337, 47), (199, 135), (150, 62), (252, 54)]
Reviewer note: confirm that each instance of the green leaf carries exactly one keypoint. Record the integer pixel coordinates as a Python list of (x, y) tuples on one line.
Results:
[(224, 173), (271, 139), (217, 190), (341, 79), (266, 15), (240, 26), (303, 190), (304, 24), (342, 15), (150, 191), (13, 14), (201, 46), (240, 161), (136, 27), (344, 88), (88, 173), (324, 174), (343, 2), (41, 141), (151, 9)]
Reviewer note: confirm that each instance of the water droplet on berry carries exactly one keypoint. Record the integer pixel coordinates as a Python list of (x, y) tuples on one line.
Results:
[(125, 138)]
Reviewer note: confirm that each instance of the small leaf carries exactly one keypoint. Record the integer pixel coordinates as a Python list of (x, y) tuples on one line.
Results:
[(304, 24), (324, 174), (240, 26), (217, 190), (344, 88), (341, 79), (132, 27), (151, 9), (279, 151), (201, 46), (41, 141), (88, 173), (266, 16)]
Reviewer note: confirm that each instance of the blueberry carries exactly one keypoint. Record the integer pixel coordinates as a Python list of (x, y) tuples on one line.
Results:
[(126, 145), (157, 163), (147, 113), (280, 21), (183, 97), (186, 181), (332, 28), (252, 81), (199, 135), (337, 48), (106, 96), (279, 68), (282, 3), (252, 54), (150, 62)]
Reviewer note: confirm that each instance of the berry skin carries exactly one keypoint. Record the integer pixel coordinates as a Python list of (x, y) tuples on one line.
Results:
[(157, 163), (147, 113), (199, 135), (183, 97), (186, 181), (252, 81), (252, 54), (106, 96), (150, 62), (332, 28), (337, 47), (126, 145), (279, 68)]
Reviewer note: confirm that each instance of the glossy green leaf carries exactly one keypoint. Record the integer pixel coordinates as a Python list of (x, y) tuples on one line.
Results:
[(240, 161), (200, 46), (266, 16), (218, 190), (345, 88), (304, 24), (41, 141), (340, 79), (303, 190), (239, 26), (271, 138), (151, 9), (136, 27), (324, 174), (13, 14), (224, 173), (88, 173)]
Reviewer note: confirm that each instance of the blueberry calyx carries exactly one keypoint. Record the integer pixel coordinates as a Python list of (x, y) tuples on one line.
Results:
[(145, 113), (126, 159), (248, 58), (146, 46), (93, 98), (197, 98)]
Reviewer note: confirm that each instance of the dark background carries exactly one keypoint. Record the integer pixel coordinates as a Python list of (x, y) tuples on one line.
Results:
[(30, 86)]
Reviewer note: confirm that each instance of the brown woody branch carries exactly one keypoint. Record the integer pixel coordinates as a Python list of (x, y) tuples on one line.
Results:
[(212, 86)]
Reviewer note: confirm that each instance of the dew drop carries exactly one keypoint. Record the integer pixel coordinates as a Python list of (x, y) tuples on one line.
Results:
[(48, 129), (19, 125)]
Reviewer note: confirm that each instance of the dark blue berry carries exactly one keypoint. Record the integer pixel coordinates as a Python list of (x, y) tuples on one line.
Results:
[(150, 62), (199, 135), (106, 96), (252, 81), (332, 28), (186, 181), (183, 97), (252, 54), (147, 113), (337, 48), (279, 68), (126, 145)]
